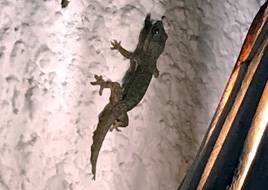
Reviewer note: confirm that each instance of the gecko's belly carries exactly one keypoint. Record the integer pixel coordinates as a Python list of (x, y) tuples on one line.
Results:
[(136, 89)]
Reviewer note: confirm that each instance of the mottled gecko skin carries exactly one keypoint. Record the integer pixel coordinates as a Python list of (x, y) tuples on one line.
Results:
[(143, 60)]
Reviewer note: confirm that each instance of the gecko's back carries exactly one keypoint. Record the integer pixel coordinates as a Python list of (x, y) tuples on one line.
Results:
[(151, 44), (137, 52)]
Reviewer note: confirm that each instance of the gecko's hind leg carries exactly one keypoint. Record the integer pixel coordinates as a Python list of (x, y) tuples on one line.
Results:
[(120, 122), (116, 89), (115, 97)]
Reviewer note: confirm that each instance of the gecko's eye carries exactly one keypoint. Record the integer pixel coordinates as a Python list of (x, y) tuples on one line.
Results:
[(155, 31)]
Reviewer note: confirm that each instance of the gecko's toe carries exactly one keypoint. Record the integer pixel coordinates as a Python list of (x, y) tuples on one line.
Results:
[(117, 129)]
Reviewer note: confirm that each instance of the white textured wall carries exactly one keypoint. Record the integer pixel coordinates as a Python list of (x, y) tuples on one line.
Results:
[(49, 111)]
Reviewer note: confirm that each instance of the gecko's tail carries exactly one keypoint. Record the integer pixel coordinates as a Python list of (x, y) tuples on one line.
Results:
[(106, 119)]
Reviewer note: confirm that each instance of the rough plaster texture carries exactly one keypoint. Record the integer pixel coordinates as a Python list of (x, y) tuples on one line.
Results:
[(48, 56)]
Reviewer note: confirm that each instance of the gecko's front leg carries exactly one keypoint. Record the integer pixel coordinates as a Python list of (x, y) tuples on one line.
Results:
[(155, 71), (116, 45)]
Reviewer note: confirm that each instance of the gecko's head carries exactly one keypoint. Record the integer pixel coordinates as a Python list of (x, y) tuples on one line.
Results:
[(155, 41)]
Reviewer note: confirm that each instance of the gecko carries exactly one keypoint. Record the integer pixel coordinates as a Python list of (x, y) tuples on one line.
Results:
[(125, 97)]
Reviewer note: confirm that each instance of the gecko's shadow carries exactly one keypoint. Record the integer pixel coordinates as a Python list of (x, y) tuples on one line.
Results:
[(190, 54)]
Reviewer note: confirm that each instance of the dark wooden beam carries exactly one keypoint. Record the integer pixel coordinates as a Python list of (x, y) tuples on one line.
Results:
[(233, 146)]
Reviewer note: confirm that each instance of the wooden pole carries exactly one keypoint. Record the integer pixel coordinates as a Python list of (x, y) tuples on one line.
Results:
[(239, 121)]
